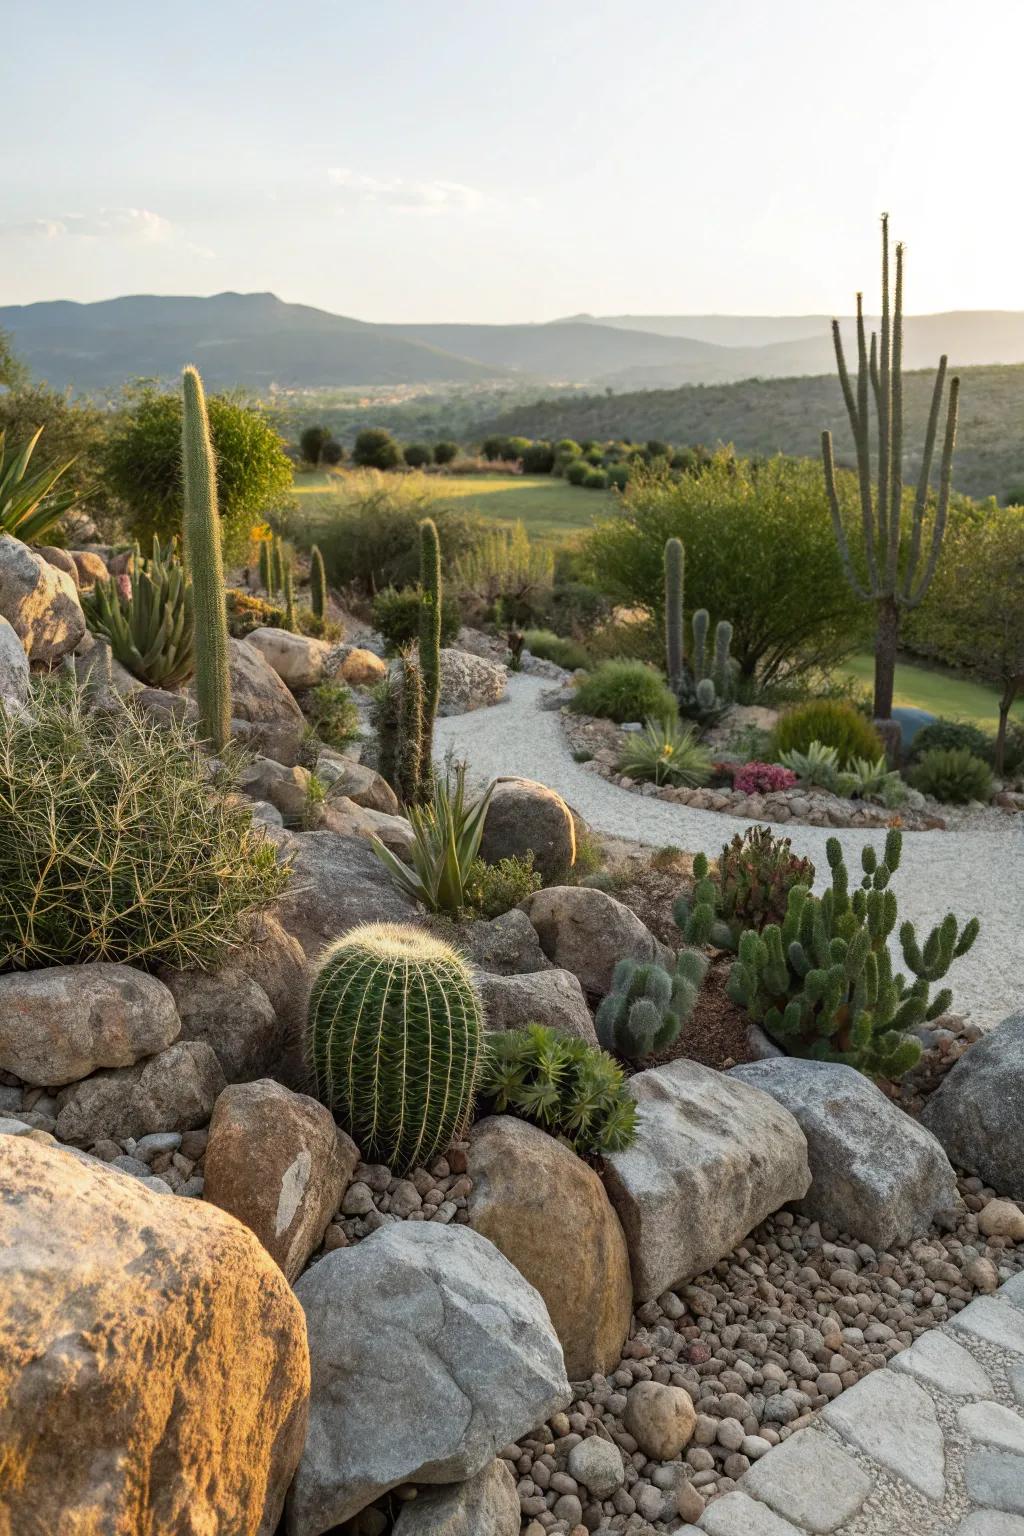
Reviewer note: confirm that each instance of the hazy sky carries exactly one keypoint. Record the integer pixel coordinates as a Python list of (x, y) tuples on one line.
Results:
[(476, 160)]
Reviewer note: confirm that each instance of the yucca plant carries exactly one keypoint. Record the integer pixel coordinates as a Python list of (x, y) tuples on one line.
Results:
[(665, 752), (29, 505), (446, 840), (563, 1085), (148, 621)]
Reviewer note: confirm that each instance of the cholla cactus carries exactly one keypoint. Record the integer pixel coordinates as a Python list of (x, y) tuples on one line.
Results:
[(822, 982), (647, 1007)]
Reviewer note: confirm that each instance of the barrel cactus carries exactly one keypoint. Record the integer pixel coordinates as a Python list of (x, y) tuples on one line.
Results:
[(394, 1041)]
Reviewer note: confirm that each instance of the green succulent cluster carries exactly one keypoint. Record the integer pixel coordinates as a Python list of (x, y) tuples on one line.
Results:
[(756, 872), (822, 981), (648, 1005), (702, 685), (148, 621), (561, 1084)]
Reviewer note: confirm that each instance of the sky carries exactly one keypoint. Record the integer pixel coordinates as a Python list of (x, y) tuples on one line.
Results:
[(480, 161)]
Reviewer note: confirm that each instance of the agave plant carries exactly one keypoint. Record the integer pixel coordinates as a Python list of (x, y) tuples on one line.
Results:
[(872, 779), (818, 765), (665, 752), (149, 622), (28, 506), (446, 840)]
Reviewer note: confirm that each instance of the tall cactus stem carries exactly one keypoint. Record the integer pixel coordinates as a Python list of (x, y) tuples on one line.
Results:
[(317, 583), (674, 569), (201, 527), (430, 641)]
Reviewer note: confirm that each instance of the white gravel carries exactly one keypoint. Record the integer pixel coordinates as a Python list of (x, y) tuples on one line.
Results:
[(969, 873)]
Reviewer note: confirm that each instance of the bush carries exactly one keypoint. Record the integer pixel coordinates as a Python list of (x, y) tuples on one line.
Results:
[(374, 541), (548, 646), (418, 454), (576, 472), (539, 459), (445, 452), (595, 480), (116, 845), (332, 452), (332, 713), (617, 475), (565, 1086), (834, 723), (142, 467), (74, 432), (665, 752), (492, 889), (763, 779), (625, 690), (819, 765), (950, 735), (246, 613), (952, 774), (396, 614), (312, 441), (750, 888), (376, 449)]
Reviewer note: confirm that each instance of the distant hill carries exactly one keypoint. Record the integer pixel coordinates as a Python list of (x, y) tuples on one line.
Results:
[(766, 416)]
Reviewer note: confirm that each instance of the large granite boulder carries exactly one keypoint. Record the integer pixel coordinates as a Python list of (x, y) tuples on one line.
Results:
[(978, 1112), (875, 1173), (505, 946), (298, 660), (154, 1374), (278, 1162), (525, 1180), (14, 672), (554, 998), (525, 817), (337, 882), (484, 1505), (60, 1023), (356, 782), (469, 682), (260, 698), (230, 1011), (40, 603), (588, 932), (429, 1353), (341, 815), (173, 1091), (712, 1158)]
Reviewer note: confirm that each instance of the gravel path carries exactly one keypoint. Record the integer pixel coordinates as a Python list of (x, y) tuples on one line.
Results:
[(967, 873)]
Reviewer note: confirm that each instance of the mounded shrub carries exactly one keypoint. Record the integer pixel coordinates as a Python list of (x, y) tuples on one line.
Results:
[(951, 735), (833, 722), (331, 711), (376, 449), (548, 646), (595, 480), (625, 690), (576, 471), (418, 454), (763, 779), (539, 459), (952, 774), (396, 614), (492, 889), (445, 452)]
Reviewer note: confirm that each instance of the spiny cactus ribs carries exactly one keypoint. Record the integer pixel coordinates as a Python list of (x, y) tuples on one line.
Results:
[(201, 525)]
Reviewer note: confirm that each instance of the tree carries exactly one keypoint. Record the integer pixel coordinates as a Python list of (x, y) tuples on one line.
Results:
[(376, 449), (14, 374), (445, 452), (418, 454), (332, 452), (312, 441), (890, 579)]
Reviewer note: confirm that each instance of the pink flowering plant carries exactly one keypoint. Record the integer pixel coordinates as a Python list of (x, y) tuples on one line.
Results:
[(763, 778)]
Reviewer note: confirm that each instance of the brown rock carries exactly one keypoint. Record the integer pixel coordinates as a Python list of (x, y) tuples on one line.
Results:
[(233, 1014), (362, 668), (154, 1373), (344, 776), (40, 602), (554, 998), (60, 558), (1001, 1218), (525, 817), (90, 566), (259, 697), (661, 1419), (586, 931)]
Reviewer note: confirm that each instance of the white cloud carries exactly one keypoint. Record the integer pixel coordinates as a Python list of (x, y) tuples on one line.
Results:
[(121, 226), (403, 196)]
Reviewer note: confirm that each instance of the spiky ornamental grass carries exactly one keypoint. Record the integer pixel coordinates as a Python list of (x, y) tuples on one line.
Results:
[(115, 845), (394, 1042)]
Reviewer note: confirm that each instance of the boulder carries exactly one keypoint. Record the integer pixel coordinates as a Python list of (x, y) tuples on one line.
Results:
[(344, 776), (40, 603), (342, 815), (60, 1023), (277, 962), (60, 558), (876, 1174), (979, 1109), (260, 699), (505, 946), (587, 932), (429, 1354), (278, 1162), (154, 1374), (712, 1158), (362, 668), (337, 882), (522, 1180), (554, 998), (90, 566), (286, 788), (298, 660), (174, 1091), (230, 1011), (469, 682), (484, 1505), (525, 817), (13, 665)]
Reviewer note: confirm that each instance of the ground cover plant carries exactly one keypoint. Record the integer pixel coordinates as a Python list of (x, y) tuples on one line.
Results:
[(561, 1084)]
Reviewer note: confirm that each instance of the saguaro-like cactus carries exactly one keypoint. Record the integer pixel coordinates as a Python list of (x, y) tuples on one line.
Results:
[(674, 563), (266, 565), (201, 527), (895, 579), (289, 597), (317, 583), (409, 764), (430, 638)]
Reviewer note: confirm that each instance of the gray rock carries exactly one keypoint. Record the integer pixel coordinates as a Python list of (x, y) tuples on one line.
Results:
[(286, 788), (713, 1157), (525, 817), (989, 1522), (233, 1014), (597, 1464), (337, 882), (469, 682), (554, 998), (993, 1424), (875, 1172), (996, 1479), (341, 815), (40, 603), (994, 1320), (809, 1481), (737, 1515), (13, 664), (484, 1505), (174, 1091), (892, 1419), (60, 1023), (939, 1360), (506, 946), (428, 1330), (587, 931), (358, 783), (979, 1109)]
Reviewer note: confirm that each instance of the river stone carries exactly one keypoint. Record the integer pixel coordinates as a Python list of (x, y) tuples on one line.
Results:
[(484, 1505), (525, 817), (337, 882), (60, 1023), (875, 1173), (520, 1175), (428, 1332), (660, 1418), (712, 1158), (979, 1109), (554, 998), (298, 660), (13, 665), (233, 1014), (587, 931), (278, 1162), (154, 1374), (40, 603), (173, 1091), (597, 1464)]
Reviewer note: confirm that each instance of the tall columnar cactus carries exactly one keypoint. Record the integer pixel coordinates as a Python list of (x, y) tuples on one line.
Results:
[(894, 580), (289, 597), (201, 526), (430, 639), (276, 566), (822, 982), (704, 690), (674, 564), (317, 583), (387, 723), (266, 565), (648, 1006), (394, 1042), (410, 753)]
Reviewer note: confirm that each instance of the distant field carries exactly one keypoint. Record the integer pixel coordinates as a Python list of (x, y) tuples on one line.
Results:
[(547, 507), (942, 693)]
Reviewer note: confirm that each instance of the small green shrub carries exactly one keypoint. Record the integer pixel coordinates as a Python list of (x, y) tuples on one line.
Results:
[(561, 1084), (445, 452), (951, 735), (595, 480), (539, 459), (665, 752), (246, 613), (617, 475), (625, 690), (872, 781), (376, 449), (418, 454), (952, 774), (396, 614), (545, 644), (576, 471), (833, 722), (492, 889), (647, 1006), (331, 711)]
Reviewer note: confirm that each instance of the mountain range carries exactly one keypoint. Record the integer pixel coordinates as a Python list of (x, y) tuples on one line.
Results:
[(257, 341)]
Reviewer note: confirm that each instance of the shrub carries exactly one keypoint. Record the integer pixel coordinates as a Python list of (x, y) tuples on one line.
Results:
[(445, 452), (763, 779), (394, 1040), (819, 765), (952, 735), (418, 454), (29, 504), (506, 568), (246, 613), (142, 466), (665, 752), (74, 431), (595, 480), (647, 1007), (396, 614), (750, 888), (148, 621), (538, 459), (625, 690), (834, 723), (561, 1084), (331, 711), (312, 441), (617, 475), (116, 846), (822, 984), (952, 774), (548, 646), (332, 452), (376, 449), (446, 841), (576, 472), (492, 889), (567, 448)]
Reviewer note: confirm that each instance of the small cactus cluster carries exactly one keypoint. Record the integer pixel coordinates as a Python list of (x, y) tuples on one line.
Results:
[(205, 564), (647, 1006), (822, 981), (702, 685), (567, 1087), (750, 888)]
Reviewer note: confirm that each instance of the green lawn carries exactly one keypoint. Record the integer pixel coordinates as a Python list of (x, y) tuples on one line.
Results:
[(942, 693)]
